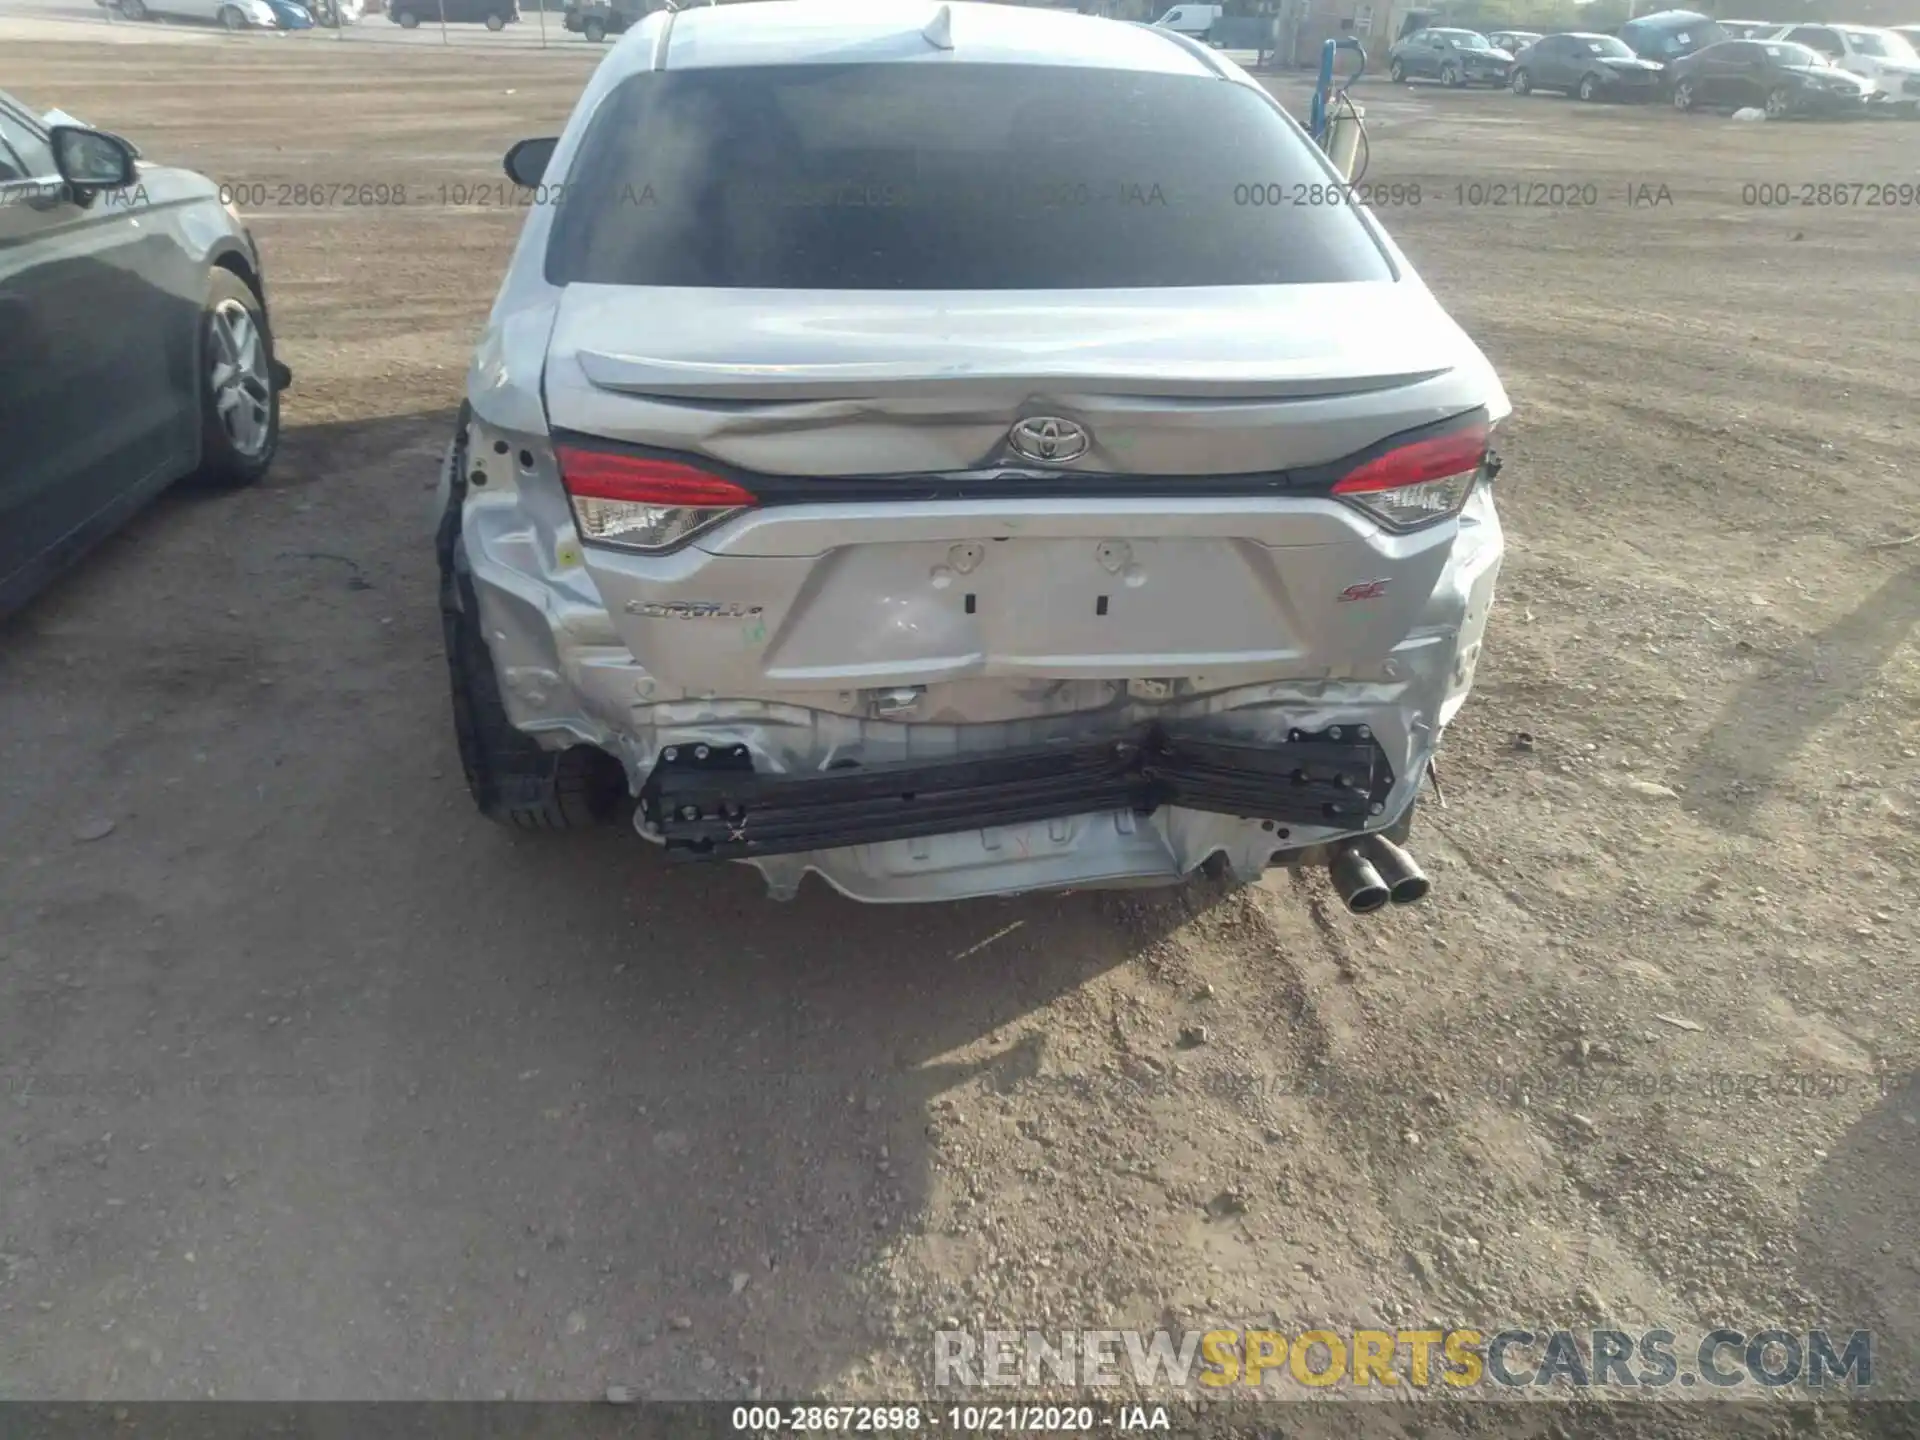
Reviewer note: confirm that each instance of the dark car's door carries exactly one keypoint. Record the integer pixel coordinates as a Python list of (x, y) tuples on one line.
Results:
[(1715, 72), (1745, 77), (97, 402), (1548, 67)]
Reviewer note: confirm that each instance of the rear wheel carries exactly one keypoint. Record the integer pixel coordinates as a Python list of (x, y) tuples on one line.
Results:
[(496, 21), (134, 10), (513, 780), (1521, 83), (1397, 73), (1683, 95), (1589, 87), (407, 19), (231, 17), (594, 31)]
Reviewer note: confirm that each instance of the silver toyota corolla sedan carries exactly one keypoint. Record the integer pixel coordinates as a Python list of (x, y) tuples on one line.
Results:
[(899, 451)]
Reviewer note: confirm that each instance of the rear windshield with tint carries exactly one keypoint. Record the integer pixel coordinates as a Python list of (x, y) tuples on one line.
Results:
[(917, 176)]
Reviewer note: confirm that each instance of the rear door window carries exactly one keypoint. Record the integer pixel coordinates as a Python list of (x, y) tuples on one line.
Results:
[(915, 176)]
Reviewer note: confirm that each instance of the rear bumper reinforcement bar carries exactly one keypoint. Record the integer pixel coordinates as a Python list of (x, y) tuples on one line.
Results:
[(715, 807)]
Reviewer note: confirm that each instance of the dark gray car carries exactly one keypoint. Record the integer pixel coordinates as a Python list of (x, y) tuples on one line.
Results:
[(1453, 57), (1594, 67), (134, 345)]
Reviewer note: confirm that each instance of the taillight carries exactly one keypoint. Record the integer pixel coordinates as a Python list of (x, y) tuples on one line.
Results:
[(1419, 482), (642, 504)]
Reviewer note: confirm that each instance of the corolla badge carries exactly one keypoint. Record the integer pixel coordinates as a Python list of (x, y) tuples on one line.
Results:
[(1049, 439), (692, 610)]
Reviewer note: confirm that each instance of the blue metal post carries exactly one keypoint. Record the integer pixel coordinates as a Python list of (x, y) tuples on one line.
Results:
[(1322, 92)]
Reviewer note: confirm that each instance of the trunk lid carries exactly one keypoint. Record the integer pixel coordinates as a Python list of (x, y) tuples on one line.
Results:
[(1151, 568)]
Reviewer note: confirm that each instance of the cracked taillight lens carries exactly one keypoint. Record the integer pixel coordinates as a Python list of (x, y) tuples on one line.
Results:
[(643, 504), (1420, 482)]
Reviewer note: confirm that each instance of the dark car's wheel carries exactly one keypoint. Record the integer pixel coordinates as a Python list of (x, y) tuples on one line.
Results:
[(231, 18), (1520, 83), (239, 403), (1683, 95), (496, 21), (134, 10), (406, 19), (1397, 72), (1450, 76), (1779, 102), (1589, 87), (594, 31), (512, 779)]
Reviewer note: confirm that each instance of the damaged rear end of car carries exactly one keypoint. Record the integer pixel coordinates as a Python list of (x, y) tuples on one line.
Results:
[(945, 540)]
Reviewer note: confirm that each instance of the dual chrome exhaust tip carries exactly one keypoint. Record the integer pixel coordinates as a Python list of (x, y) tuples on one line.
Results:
[(1373, 872)]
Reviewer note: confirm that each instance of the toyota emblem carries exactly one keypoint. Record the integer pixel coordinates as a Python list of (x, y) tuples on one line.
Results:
[(1049, 439)]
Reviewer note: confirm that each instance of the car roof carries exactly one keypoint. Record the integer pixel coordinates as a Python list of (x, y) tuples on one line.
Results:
[(818, 32)]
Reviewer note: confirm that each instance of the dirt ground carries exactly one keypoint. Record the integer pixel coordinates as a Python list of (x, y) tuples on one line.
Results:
[(318, 1086)]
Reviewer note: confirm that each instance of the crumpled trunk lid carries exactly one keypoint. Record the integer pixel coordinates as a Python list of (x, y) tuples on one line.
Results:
[(1176, 551)]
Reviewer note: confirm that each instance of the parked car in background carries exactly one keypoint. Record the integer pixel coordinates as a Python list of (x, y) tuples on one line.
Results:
[(335, 13), (1511, 41), (1453, 57), (494, 14), (1194, 20), (290, 15), (1748, 29), (1782, 78), (1883, 58), (134, 344), (597, 19), (1593, 67), (1910, 34), (233, 14), (1668, 34)]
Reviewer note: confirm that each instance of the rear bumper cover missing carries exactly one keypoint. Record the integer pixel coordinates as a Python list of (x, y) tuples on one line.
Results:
[(707, 803)]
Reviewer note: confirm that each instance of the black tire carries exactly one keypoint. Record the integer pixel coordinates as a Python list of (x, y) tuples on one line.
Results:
[(135, 10), (496, 21), (1683, 95), (1520, 83), (1589, 88), (1397, 73), (594, 31), (231, 18), (223, 465), (513, 780), (1779, 102), (406, 19), (1450, 76)]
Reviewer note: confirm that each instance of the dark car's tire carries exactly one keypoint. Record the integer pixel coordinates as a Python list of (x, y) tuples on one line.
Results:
[(134, 10), (1779, 102), (1683, 95), (594, 31), (1520, 83), (231, 18), (513, 781), (1589, 88), (239, 403), (496, 21), (1397, 73), (406, 19), (1450, 77)]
